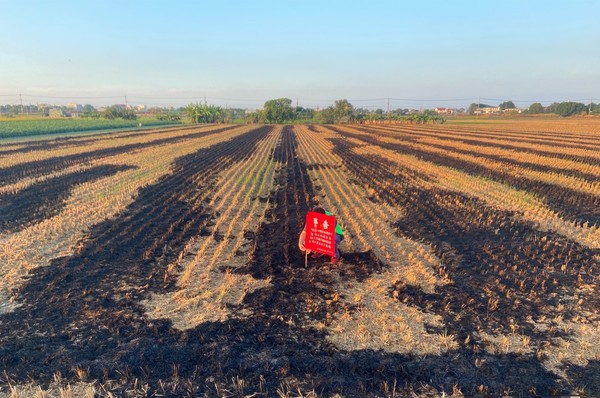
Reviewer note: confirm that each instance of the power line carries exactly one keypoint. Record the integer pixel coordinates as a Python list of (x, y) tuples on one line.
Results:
[(383, 101)]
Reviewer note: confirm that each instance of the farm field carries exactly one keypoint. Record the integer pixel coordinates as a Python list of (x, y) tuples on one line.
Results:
[(43, 126), (165, 262)]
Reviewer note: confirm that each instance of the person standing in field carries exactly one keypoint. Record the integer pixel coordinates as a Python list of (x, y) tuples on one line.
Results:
[(339, 236)]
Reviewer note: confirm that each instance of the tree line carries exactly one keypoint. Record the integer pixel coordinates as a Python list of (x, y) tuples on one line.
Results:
[(281, 110), (568, 108)]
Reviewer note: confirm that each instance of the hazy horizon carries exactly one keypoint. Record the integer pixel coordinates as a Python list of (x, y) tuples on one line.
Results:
[(240, 54)]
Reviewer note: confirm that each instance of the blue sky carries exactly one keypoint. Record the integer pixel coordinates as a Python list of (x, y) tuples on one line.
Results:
[(241, 53)]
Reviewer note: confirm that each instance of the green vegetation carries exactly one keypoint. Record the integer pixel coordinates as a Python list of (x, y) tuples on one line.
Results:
[(204, 113), (535, 108), (117, 112), (570, 108), (473, 107), (20, 128), (277, 111), (342, 111), (507, 105)]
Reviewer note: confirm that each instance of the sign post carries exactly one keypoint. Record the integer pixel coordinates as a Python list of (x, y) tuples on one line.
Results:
[(320, 233)]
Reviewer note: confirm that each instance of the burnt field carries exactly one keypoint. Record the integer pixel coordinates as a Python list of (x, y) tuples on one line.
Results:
[(166, 263)]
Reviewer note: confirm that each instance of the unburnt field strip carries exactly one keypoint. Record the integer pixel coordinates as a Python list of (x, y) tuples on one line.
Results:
[(573, 198), (60, 223), (29, 169), (165, 263)]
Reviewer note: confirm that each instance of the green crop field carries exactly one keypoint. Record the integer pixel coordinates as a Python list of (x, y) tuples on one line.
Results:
[(20, 128)]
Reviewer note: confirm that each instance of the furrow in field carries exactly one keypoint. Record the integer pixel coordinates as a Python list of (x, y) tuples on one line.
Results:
[(498, 195), (475, 156), (57, 144), (565, 137), (580, 202), (93, 295), (575, 129), (576, 153), (586, 170), (504, 276), (90, 203), (14, 168), (207, 281), (369, 229)]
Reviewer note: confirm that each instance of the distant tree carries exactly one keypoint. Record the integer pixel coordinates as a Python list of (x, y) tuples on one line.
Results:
[(90, 112), (342, 110), (552, 107), (535, 108), (117, 112), (204, 113), (570, 108), (193, 112), (234, 115), (303, 114), (473, 107), (507, 105), (278, 110), (327, 115), (252, 117)]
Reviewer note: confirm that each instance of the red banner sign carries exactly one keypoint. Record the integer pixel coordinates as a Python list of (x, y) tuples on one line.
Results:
[(320, 233)]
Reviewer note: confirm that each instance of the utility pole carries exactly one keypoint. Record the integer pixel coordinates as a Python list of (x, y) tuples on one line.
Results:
[(590, 107), (388, 109), (126, 102), (21, 100)]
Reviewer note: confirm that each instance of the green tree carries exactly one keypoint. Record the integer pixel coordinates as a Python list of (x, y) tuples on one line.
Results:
[(507, 105), (90, 112), (570, 108), (303, 114), (193, 112), (117, 112), (552, 107), (342, 110), (473, 107), (204, 113), (535, 108), (277, 110), (327, 115)]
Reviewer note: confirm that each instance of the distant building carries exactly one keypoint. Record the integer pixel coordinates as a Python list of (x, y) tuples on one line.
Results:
[(444, 111), (75, 107), (513, 110), (488, 110), (140, 108)]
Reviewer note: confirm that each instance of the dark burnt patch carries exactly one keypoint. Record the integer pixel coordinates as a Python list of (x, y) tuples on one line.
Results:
[(572, 205), (506, 276), (84, 311), (12, 174), (45, 199), (477, 139), (77, 140), (528, 165)]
